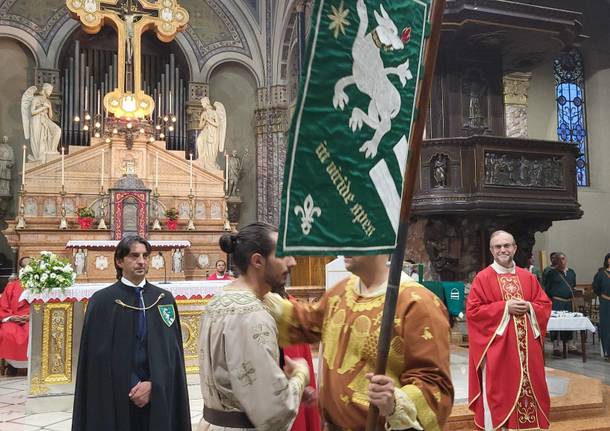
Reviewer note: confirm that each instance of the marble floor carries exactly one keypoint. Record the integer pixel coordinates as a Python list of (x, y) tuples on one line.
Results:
[(13, 415)]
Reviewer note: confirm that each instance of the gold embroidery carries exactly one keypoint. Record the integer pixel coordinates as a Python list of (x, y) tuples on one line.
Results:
[(333, 304), (360, 330), (415, 296), (425, 415), (527, 407), (344, 398), (332, 332), (398, 322), (358, 303), (436, 301), (360, 386), (427, 335), (437, 395), (396, 358)]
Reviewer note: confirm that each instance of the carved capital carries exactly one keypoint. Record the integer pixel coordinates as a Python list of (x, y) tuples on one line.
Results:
[(516, 86), (275, 96), (197, 91), (51, 76), (271, 120)]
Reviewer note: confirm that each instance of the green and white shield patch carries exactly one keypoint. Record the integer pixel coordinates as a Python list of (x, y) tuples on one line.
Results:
[(168, 314)]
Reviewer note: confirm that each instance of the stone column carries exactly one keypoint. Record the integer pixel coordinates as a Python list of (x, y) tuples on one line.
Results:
[(196, 92), (270, 126), (516, 86)]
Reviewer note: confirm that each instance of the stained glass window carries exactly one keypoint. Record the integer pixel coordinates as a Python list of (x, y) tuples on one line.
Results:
[(570, 97)]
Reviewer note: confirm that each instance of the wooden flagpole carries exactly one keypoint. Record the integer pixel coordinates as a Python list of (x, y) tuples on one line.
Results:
[(423, 101)]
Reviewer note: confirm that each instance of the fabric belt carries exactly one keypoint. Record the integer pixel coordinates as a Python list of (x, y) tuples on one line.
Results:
[(606, 297), (562, 299), (226, 419)]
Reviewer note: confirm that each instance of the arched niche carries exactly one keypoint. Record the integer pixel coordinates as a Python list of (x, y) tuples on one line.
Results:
[(234, 85), (17, 75)]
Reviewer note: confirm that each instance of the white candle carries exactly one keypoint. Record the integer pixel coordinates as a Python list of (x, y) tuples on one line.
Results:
[(23, 173), (191, 171), (226, 172), (157, 171), (62, 165), (86, 97), (99, 101), (170, 101), (102, 171)]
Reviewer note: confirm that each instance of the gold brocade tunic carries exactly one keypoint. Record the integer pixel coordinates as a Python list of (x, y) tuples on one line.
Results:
[(348, 324)]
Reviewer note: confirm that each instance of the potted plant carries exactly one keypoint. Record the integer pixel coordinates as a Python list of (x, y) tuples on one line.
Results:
[(172, 218), (85, 217)]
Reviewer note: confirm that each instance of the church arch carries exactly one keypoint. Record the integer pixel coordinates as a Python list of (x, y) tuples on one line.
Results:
[(28, 40), (219, 60)]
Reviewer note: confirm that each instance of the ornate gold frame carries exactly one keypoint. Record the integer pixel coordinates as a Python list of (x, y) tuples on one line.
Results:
[(56, 355)]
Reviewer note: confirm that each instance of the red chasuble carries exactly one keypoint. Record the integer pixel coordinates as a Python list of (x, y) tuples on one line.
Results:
[(13, 336), (510, 348)]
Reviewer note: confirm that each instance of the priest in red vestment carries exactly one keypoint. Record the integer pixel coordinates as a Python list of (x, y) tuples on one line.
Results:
[(14, 323), (507, 313)]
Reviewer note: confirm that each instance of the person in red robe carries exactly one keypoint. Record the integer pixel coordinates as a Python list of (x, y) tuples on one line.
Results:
[(507, 313), (14, 324), (221, 272)]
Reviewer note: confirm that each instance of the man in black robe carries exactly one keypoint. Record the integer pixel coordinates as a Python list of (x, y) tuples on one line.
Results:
[(131, 373), (559, 283)]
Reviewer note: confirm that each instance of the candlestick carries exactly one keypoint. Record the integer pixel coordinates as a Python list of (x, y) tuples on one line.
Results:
[(102, 172), (157, 170), (23, 172), (191, 171), (62, 165)]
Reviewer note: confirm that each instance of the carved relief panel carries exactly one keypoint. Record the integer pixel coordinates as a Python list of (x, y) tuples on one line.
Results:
[(525, 170)]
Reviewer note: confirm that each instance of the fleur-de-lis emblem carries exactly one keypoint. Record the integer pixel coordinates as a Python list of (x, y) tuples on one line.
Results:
[(308, 211)]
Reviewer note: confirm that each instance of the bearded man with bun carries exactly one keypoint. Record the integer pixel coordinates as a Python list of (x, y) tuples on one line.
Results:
[(242, 383)]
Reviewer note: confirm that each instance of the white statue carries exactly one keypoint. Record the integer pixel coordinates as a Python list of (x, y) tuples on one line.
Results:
[(7, 161), (38, 125), (177, 261), (211, 138), (79, 261)]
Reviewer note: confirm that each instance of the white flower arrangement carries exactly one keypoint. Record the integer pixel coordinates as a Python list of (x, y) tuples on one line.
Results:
[(47, 272)]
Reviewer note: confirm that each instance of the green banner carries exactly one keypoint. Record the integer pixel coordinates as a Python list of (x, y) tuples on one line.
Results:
[(348, 141)]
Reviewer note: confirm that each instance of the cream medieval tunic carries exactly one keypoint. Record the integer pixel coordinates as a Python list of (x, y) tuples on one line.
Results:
[(239, 363)]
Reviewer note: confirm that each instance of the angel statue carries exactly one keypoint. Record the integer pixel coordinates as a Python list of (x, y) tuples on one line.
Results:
[(211, 138), (38, 125)]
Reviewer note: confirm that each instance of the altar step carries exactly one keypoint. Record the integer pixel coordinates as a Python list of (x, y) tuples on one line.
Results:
[(585, 406)]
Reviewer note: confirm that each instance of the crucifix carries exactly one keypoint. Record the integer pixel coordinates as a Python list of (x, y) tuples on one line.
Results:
[(130, 18)]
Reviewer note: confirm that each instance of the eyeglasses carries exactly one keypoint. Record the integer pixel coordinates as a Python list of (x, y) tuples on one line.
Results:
[(501, 246)]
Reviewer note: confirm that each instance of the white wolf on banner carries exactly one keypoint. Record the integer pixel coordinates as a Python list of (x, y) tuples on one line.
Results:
[(371, 76)]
